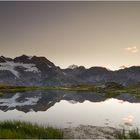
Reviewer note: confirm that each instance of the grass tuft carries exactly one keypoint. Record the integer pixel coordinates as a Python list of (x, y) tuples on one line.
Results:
[(24, 130), (128, 134)]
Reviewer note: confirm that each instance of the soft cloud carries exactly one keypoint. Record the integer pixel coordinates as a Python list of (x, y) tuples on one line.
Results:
[(133, 49)]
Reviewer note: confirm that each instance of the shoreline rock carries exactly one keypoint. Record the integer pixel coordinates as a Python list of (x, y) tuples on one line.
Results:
[(89, 132)]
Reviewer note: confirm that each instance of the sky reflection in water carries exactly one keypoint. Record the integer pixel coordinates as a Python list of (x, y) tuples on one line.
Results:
[(111, 112)]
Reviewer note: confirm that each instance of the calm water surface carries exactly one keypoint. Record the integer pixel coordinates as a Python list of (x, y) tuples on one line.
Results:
[(62, 109)]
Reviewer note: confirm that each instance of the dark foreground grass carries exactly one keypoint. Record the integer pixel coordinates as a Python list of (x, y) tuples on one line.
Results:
[(24, 130), (128, 134)]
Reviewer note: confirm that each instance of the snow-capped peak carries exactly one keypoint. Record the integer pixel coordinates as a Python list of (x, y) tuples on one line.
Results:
[(30, 57), (11, 66), (72, 66)]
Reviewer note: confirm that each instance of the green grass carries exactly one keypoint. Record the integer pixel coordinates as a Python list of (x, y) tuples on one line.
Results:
[(13, 89), (127, 134), (110, 90), (23, 130), (111, 94), (78, 88), (1, 94)]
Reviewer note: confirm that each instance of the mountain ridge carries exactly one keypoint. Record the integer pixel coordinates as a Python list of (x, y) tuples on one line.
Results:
[(39, 71)]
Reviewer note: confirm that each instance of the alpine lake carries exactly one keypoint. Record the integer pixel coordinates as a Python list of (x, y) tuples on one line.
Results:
[(63, 109)]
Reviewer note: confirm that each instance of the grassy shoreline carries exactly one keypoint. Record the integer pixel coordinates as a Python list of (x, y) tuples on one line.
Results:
[(110, 90), (24, 130)]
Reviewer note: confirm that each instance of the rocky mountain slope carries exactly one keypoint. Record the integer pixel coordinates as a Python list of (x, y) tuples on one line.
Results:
[(39, 71)]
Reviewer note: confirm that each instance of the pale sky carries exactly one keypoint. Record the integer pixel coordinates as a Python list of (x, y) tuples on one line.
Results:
[(83, 33)]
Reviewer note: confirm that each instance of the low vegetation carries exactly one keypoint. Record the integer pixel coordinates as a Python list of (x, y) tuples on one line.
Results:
[(23, 130), (14, 89), (127, 134), (79, 88), (1, 94), (109, 89)]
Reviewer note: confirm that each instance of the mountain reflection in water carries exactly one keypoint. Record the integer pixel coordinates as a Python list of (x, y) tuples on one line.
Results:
[(64, 109), (42, 100)]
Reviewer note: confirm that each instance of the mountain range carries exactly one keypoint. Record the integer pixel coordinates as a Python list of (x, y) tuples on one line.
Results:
[(39, 71)]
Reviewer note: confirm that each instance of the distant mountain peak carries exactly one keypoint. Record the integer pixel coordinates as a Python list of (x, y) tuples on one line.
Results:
[(38, 70), (73, 66), (5, 59), (32, 59), (2, 59), (123, 67)]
